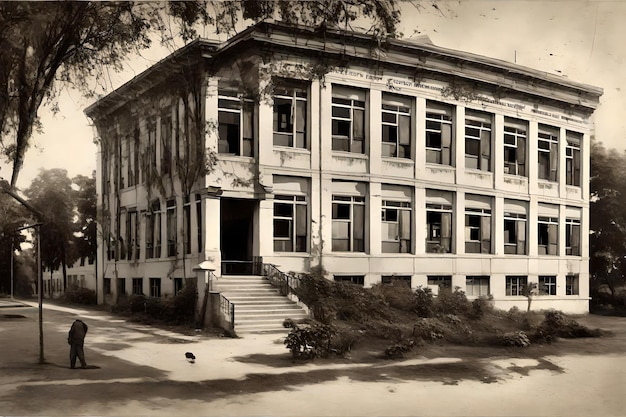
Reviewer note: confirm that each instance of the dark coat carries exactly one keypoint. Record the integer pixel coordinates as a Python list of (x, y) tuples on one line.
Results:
[(77, 333)]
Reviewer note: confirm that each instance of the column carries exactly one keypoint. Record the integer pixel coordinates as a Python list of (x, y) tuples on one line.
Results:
[(497, 134), (458, 233), (419, 137), (459, 142), (375, 132), (497, 225), (212, 231), (373, 219), (532, 159)]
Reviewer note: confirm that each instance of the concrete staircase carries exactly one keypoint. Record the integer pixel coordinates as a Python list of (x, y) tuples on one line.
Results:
[(259, 307)]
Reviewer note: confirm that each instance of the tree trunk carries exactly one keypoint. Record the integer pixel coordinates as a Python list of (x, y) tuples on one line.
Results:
[(64, 268)]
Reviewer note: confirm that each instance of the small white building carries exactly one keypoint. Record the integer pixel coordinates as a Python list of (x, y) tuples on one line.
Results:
[(297, 148), (81, 273)]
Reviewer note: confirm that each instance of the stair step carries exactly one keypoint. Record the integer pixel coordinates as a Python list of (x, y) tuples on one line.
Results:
[(267, 307), (253, 314)]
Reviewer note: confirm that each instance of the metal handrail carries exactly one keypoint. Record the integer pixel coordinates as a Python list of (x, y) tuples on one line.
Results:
[(227, 309), (281, 279)]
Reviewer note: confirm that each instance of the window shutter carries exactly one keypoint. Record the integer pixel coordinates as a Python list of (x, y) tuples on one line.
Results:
[(446, 143), (485, 234), (521, 238), (405, 224), (521, 155), (575, 240), (446, 230), (405, 130), (485, 150), (553, 239), (554, 162)]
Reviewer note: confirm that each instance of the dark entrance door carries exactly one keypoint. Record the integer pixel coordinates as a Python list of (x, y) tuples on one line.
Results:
[(236, 235)]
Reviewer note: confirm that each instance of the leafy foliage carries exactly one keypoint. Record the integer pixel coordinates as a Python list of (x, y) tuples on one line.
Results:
[(78, 295)]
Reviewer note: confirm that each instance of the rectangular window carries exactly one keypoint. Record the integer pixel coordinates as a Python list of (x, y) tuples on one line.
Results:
[(166, 142), (477, 230), (178, 285), (121, 286), (290, 223), (548, 235), (348, 223), (348, 120), (571, 284), (572, 158), (106, 286), (396, 127), (477, 140), (132, 235), (515, 138), (394, 279), (149, 164), (514, 233), (137, 286), (171, 227), (439, 224), (290, 114), (235, 124), (187, 224), (155, 287), (354, 279), (199, 221), (156, 227), (396, 226), (572, 237), (516, 285), (438, 133), (476, 286), (547, 285), (442, 281), (548, 143)]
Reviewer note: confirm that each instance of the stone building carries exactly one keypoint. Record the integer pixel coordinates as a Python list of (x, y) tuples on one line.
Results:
[(399, 160)]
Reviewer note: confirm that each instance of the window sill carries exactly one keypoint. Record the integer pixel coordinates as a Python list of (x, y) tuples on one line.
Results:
[(345, 154), (291, 149)]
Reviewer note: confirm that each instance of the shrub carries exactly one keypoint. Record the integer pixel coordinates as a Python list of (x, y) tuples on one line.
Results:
[(424, 301), (481, 306), (398, 350), (317, 293), (428, 329), (79, 295), (397, 294), (181, 308), (557, 324), (451, 302), (518, 339), (310, 342)]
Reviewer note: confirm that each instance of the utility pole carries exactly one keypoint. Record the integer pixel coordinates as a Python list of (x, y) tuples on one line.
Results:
[(40, 293)]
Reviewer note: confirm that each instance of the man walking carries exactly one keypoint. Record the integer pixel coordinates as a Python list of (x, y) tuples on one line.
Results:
[(76, 340)]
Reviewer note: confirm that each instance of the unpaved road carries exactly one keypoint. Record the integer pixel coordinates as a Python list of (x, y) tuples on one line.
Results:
[(142, 371)]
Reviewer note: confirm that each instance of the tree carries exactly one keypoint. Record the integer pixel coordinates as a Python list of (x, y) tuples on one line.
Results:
[(607, 240), (12, 217), (51, 193), (84, 200), (46, 46)]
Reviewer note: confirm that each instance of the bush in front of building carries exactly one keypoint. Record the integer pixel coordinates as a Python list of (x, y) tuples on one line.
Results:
[(78, 295), (179, 309)]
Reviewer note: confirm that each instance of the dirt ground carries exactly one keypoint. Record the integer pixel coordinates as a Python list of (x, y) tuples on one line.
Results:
[(140, 370)]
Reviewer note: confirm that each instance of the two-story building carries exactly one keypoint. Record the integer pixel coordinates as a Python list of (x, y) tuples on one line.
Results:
[(380, 162)]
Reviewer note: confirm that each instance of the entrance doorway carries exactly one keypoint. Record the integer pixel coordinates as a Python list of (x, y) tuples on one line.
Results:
[(237, 234)]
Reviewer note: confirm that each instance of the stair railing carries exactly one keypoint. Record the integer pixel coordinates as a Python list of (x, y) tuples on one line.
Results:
[(227, 310), (286, 283)]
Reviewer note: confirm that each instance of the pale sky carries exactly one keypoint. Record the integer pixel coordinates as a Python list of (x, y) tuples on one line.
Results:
[(582, 40)]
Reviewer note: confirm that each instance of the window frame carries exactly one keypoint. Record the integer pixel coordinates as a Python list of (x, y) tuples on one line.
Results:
[(438, 245), (297, 203), (517, 282), (549, 136), (281, 88), (516, 219), (351, 202), (441, 115), (244, 107), (353, 279), (353, 105), (400, 109), (573, 168), (571, 225), (400, 207), (155, 287), (547, 285), (572, 284), (548, 223), (470, 285), (171, 227), (484, 219), (482, 123), (137, 286), (517, 131)]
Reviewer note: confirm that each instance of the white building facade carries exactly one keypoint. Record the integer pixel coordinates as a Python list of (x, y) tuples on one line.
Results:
[(410, 162)]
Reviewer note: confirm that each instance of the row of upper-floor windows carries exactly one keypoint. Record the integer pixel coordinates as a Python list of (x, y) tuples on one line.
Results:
[(350, 119)]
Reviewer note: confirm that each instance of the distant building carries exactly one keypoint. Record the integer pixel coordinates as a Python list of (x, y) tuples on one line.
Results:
[(406, 161), (81, 273)]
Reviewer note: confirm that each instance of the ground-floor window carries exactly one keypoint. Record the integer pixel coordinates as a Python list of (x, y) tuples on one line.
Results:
[(121, 286), (138, 286), (178, 285), (392, 279), (547, 285), (106, 286), (355, 279), (155, 287), (571, 285), (515, 285), (477, 285), (442, 281)]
